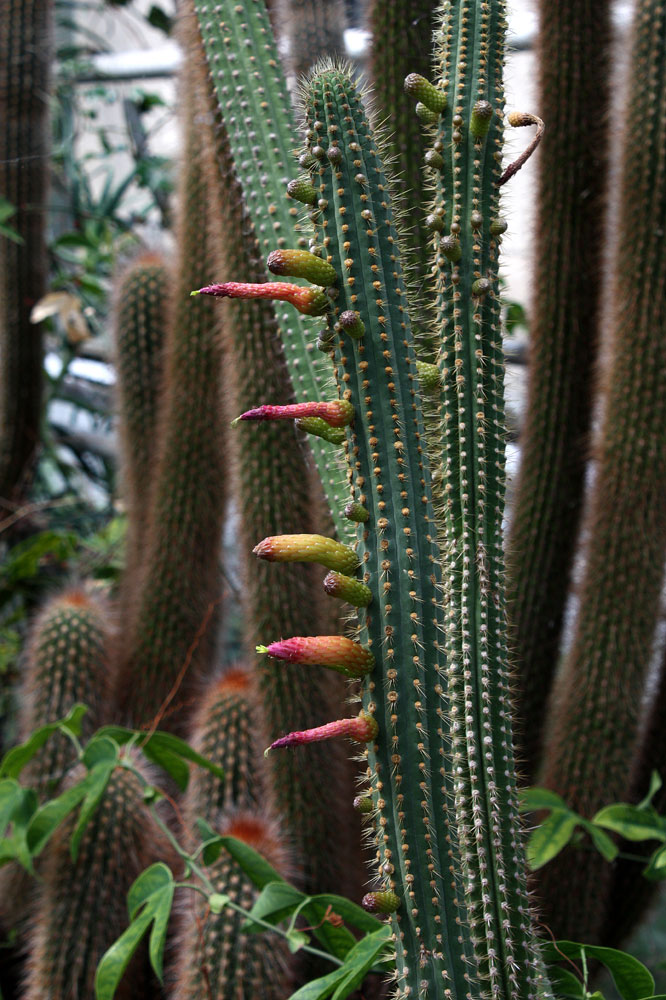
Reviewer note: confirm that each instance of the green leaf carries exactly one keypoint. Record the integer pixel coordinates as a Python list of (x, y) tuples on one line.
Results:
[(631, 822), (15, 846), (100, 750), (296, 940), (360, 960), (536, 799), (11, 795), (656, 868), (319, 989), (49, 817), (276, 902), (550, 838), (565, 985), (99, 779), (337, 939), (166, 750), (149, 901), (217, 902), (632, 980), (655, 785), (257, 869), (603, 843), (16, 759), (350, 912)]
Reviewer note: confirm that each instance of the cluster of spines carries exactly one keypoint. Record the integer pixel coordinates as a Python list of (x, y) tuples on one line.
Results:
[(81, 907), (25, 64), (594, 729), (215, 956), (468, 141)]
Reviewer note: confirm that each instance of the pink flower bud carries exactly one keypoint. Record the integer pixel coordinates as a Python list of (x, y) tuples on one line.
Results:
[(362, 728), (333, 651), (308, 548), (337, 413), (311, 301)]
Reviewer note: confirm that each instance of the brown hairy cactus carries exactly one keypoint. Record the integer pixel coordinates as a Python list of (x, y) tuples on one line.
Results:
[(25, 63)]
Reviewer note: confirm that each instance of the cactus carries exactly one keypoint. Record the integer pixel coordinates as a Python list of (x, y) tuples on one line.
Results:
[(274, 493), (25, 63), (595, 723), (402, 44), (573, 61), (66, 661), (414, 694), (310, 29), (142, 295), (215, 958), (81, 907), (173, 591)]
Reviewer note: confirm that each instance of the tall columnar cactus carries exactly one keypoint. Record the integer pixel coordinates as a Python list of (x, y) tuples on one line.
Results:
[(437, 730), (215, 958), (274, 494), (141, 318), (66, 661), (81, 907), (596, 716), (25, 62), (574, 89), (402, 43), (174, 592), (309, 30)]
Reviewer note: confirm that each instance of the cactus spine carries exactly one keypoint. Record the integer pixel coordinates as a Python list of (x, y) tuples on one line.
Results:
[(595, 723), (573, 61), (25, 62)]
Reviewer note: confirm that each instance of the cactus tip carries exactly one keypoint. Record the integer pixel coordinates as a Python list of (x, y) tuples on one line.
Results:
[(261, 649)]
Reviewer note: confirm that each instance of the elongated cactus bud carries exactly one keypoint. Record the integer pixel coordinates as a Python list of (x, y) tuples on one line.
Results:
[(319, 427), (417, 86), (380, 902), (333, 651), (301, 189), (427, 116), (310, 301), (337, 413), (302, 264), (348, 589), (361, 728), (308, 548)]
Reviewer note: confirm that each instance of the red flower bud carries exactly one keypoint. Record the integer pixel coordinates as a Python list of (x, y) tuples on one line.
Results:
[(333, 651), (337, 413), (361, 728), (311, 301)]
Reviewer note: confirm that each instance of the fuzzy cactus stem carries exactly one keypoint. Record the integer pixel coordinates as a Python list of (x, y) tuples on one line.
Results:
[(362, 728), (309, 301), (337, 413)]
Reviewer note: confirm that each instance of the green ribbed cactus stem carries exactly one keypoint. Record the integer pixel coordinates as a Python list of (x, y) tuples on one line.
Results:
[(274, 494), (25, 64), (310, 30), (216, 959), (457, 818), (402, 32), (142, 296), (471, 443), (172, 596), (66, 661), (596, 719), (81, 907), (574, 91)]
